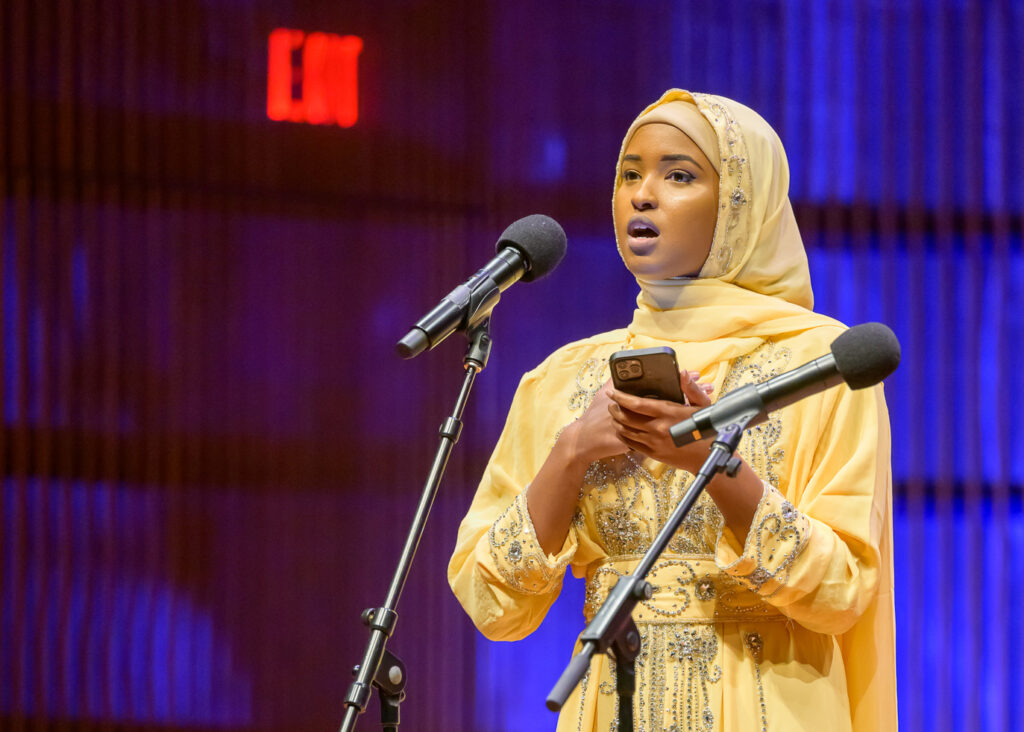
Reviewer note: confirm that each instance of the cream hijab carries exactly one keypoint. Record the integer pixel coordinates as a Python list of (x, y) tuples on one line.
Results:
[(755, 282), (757, 244)]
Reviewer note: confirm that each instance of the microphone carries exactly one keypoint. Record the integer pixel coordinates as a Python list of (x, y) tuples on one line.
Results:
[(528, 249), (861, 356)]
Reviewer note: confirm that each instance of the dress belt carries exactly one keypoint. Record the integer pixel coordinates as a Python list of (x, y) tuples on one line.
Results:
[(688, 588)]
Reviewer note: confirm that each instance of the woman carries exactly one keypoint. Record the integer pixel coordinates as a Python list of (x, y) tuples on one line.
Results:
[(773, 605)]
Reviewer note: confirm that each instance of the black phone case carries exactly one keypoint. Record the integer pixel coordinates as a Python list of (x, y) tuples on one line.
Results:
[(647, 372)]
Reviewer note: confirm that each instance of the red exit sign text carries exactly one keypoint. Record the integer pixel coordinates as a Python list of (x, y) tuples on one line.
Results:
[(311, 77)]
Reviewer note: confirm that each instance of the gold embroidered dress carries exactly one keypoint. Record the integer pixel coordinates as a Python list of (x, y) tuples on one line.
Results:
[(794, 629)]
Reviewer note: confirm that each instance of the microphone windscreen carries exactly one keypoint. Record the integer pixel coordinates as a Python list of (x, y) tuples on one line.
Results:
[(539, 239), (865, 354)]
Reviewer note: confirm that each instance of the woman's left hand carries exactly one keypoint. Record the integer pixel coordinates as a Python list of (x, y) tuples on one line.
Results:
[(643, 423)]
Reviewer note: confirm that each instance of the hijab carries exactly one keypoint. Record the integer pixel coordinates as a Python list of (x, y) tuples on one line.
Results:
[(755, 282)]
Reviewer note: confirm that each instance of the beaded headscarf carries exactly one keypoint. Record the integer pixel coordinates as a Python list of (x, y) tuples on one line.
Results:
[(757, 243)]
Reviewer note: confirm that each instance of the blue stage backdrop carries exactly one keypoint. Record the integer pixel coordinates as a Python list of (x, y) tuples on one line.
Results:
[(210, 453)]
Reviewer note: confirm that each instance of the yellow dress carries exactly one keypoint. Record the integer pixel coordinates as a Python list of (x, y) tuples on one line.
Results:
[(793, 630)]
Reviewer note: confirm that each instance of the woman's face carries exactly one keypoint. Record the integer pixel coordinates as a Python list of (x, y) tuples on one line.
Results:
[(666, 204)]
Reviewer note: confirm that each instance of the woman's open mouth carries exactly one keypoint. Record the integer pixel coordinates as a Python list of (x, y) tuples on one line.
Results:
[(642, 235)]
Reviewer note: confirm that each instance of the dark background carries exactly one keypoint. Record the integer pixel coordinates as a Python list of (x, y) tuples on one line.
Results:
[(210, 453)]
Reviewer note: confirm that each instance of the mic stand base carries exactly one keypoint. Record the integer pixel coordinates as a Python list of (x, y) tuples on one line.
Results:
[(612, 627)]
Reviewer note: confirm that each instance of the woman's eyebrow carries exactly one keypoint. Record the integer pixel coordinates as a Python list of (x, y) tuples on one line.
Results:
[(664, 158), (681, 157)]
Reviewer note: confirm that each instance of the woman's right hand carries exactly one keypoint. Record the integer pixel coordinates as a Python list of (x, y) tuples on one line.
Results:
[(593, 436), (553, 494)]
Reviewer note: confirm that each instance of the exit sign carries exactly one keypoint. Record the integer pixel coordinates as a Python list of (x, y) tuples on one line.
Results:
[(312, 77)]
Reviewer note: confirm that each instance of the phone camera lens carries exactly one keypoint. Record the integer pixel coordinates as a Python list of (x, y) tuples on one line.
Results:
[(631, 369)]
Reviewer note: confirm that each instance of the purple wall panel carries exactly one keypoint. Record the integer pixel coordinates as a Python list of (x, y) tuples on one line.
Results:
[(210, 452)]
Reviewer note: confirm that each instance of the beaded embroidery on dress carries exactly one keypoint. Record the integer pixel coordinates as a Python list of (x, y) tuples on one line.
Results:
[(628, 499)]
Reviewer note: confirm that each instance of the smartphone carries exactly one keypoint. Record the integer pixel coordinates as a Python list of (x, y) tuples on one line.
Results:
[(647, 372)]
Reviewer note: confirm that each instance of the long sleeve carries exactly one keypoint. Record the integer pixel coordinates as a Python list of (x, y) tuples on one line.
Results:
[(813, 549), (498, 572)]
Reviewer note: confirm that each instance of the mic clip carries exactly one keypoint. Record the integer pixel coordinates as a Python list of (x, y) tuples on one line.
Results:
[(483, 296), (744, 405), (474, 300), (733, 466)]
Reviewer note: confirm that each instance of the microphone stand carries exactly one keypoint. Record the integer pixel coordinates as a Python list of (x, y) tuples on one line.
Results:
[(612, 630), (379, 667)]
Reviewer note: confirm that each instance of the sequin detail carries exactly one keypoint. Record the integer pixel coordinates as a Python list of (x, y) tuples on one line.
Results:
[(705, 589), (625, 500), (773, 544), (518, 555), (584, 683), (515, 552), (685, 592), (629, 498), (675, 668), (755, 644), (589, 380), (758, 446), (735, 189)]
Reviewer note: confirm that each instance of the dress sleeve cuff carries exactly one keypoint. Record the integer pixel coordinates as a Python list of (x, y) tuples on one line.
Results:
[(777, 535), (518, 556)]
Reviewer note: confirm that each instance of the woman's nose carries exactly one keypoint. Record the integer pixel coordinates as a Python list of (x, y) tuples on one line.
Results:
[(643, 197)]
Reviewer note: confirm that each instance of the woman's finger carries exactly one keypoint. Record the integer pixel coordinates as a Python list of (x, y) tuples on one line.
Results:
[(642, 406), (694, 391), (634, 445), (633, 420), (640, 434)]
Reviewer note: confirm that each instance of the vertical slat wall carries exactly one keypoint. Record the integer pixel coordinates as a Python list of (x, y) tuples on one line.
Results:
[(205, 466), (209, 453)]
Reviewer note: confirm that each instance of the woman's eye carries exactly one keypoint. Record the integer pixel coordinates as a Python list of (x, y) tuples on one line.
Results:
[(630, 175), (680, 176)]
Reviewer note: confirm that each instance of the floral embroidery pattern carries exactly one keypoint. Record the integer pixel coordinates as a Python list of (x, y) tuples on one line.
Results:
[(518, 555), (675, 667), (589, 380), (758, 444), (734, 191), (624, 502), (777, 535)]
